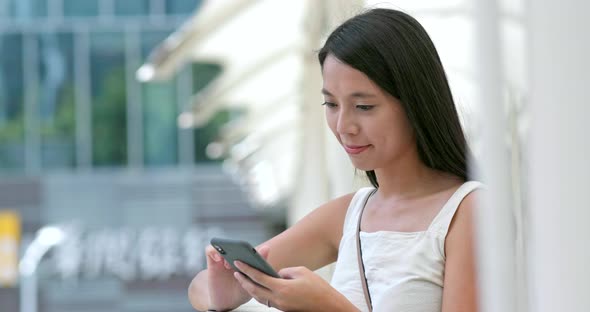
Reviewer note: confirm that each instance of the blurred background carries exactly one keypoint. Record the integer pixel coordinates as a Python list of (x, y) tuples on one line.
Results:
[(133, 131)]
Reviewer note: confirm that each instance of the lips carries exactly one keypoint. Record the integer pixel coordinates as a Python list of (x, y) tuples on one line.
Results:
[(355, 149)]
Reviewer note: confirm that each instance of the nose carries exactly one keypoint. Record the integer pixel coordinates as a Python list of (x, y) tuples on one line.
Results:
[(346, 123)]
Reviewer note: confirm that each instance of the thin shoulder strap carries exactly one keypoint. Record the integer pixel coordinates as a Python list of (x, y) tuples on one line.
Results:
[(442, 221), (359, 254)]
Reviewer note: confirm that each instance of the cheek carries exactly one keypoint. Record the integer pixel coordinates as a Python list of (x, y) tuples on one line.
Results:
[(331, 120), (391, 136), (403, 139)]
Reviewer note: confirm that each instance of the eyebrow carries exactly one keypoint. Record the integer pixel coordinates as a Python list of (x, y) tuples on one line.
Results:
[(358, 94)]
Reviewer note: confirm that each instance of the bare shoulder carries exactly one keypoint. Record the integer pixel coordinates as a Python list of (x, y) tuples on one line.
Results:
[(460, 287), (464, 219)]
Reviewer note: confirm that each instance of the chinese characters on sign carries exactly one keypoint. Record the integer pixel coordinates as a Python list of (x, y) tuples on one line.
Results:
[(132, 254)]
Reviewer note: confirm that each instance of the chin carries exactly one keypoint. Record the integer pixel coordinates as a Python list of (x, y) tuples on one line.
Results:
[(362, 166)]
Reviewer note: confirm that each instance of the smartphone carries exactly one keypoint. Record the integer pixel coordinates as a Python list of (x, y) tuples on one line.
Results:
[(232, 250)]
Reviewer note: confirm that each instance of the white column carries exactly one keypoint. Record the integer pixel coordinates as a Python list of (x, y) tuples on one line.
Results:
[(311, 182), (322, 171), (560, 156), (495, 218)]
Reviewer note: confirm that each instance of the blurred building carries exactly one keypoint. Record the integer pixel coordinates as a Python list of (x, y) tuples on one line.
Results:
[(144, 127), (86, 147)]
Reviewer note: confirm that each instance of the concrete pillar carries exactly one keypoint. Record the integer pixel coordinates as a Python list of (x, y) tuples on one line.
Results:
[(318, 155), (559, 155), (495, 223)]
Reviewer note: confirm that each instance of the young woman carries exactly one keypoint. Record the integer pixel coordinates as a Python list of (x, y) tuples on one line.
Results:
[(388, 103)]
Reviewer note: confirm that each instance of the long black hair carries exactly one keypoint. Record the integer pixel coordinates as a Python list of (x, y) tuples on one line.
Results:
[(396, 53)]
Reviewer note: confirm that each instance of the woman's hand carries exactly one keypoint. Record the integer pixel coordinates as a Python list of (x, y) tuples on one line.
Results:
[(299, 290), (225, 292)]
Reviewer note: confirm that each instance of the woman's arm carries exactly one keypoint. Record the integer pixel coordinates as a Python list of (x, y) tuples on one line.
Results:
[(198, 292), (312, 242), (460, 283)]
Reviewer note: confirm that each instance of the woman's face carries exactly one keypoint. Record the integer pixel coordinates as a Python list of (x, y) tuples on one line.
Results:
[(368, 122)]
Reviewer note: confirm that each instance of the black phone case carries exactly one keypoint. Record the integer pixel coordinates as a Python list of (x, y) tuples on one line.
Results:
[(232, 250)]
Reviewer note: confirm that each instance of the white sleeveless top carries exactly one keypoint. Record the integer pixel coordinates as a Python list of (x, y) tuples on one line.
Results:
[(404, 270)]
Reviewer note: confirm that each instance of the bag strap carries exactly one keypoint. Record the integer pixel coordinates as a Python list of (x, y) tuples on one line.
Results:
[(359, 254)]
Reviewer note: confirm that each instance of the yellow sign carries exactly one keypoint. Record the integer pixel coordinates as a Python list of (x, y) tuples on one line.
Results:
[(10, 232)]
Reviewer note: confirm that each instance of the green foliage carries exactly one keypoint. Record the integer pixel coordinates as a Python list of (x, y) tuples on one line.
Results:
[(64, 123), (109, 121), (209, 133), (12, 130), (12, 143), (203, 74)]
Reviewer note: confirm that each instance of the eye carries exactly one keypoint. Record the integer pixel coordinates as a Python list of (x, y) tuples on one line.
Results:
[(365, 107), (329, 104)]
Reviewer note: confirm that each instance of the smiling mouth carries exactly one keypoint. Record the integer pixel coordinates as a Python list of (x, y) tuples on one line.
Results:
[(353, 150)]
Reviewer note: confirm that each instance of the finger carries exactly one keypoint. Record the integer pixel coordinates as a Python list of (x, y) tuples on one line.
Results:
[(258, 292), (215, 261), (212, 255), (261, 278), (292, 272)]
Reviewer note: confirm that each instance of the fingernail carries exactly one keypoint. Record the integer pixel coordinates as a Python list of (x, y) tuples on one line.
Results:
[(216, 257), (238, 264)]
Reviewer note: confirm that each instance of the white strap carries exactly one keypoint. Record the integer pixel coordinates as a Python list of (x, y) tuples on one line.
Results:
[(443, 219)]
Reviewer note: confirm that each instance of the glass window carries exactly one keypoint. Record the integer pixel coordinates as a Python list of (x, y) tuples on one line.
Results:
[(159, 103), (159, 121), (203, 74), (150, 40), (5, 8), (80, 8), (132, 8), (27, 9), (12, 145), (56, 100), (181, 7), (109, 99)]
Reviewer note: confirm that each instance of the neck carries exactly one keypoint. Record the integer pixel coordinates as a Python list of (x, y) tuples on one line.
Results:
[(409, 177)]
